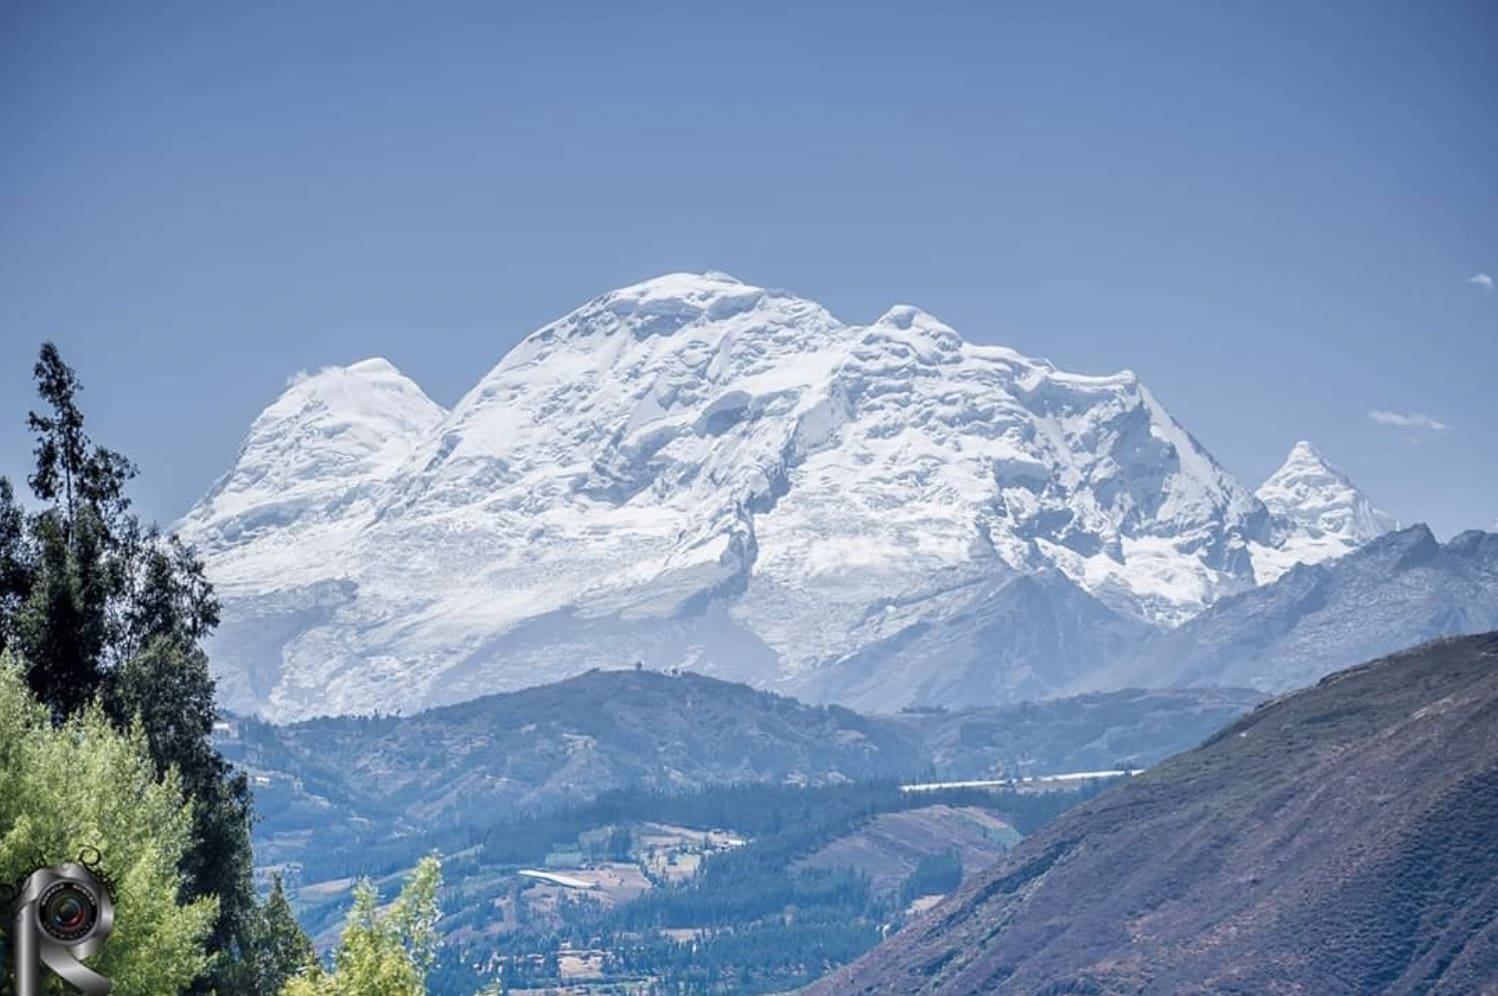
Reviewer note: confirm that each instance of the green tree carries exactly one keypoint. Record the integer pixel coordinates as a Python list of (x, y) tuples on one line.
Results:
[(83, 584), (167, 688), (619, 843), (75, 558), (83, 784), (386, 952), (62, 626), (934, 875), (16, 559), (280, 949), (98, 606), (72, 473)]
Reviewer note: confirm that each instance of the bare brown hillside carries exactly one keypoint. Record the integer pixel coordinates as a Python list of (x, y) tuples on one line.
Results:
[(1342, 839)]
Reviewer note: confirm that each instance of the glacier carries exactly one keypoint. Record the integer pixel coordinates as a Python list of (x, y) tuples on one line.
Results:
[(693, 472)]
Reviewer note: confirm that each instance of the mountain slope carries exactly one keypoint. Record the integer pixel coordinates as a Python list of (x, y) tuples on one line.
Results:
[(696, 472), (339, 782), (569, 741), (1013, 640), (312, 459), (1399, 590), (603, 730), (1343, 839)]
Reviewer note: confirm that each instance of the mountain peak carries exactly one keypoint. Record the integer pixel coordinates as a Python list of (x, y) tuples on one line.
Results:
[(1303, 452), (367, 399), (376, 366), (683, 294), (368, 388), (372, 367), (684, 448), (905, 316), (1319, 497), (656, 310), (1318, 512), (313, 454), (681, 283)]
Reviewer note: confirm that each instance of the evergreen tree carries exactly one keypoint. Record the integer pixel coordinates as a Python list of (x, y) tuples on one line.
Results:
[(168, 689), (281, 949), (15, 563), (68, 567), (72, 473), (61, 627), (99, 607), (169, 595), (620, 841)]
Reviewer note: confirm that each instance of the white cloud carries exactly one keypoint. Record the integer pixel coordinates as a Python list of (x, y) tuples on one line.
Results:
[(1482, 280), (1407, 420)]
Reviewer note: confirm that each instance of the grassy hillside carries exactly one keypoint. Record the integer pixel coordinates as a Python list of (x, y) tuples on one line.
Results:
[(1343, 839)]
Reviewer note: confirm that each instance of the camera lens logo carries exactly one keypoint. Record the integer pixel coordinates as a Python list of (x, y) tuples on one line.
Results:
[(64, 914), (69, 912)]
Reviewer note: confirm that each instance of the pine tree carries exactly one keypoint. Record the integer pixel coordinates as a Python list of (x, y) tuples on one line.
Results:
[(68, 569), (71, 472), (62, 626)]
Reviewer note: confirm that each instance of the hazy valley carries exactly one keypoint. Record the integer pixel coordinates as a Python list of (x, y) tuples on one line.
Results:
[(625, 785), (647, 633)]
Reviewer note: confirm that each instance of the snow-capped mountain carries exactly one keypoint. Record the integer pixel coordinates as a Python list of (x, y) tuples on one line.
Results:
[(1318, 514), (309, 471), (696, 472), (1400, 589)]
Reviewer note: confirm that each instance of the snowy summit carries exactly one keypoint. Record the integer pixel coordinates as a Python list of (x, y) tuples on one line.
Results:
[(1318, 514), (693, 471)]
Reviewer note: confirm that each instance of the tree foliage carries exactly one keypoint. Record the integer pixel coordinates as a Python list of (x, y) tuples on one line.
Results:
[(279, 948), (389, 951), (98, 607), (934, 875), (167, 688), (83, 784), (84, 585)]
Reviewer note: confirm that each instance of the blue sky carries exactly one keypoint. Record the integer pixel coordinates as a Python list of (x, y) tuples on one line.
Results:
[(1273, 214)]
